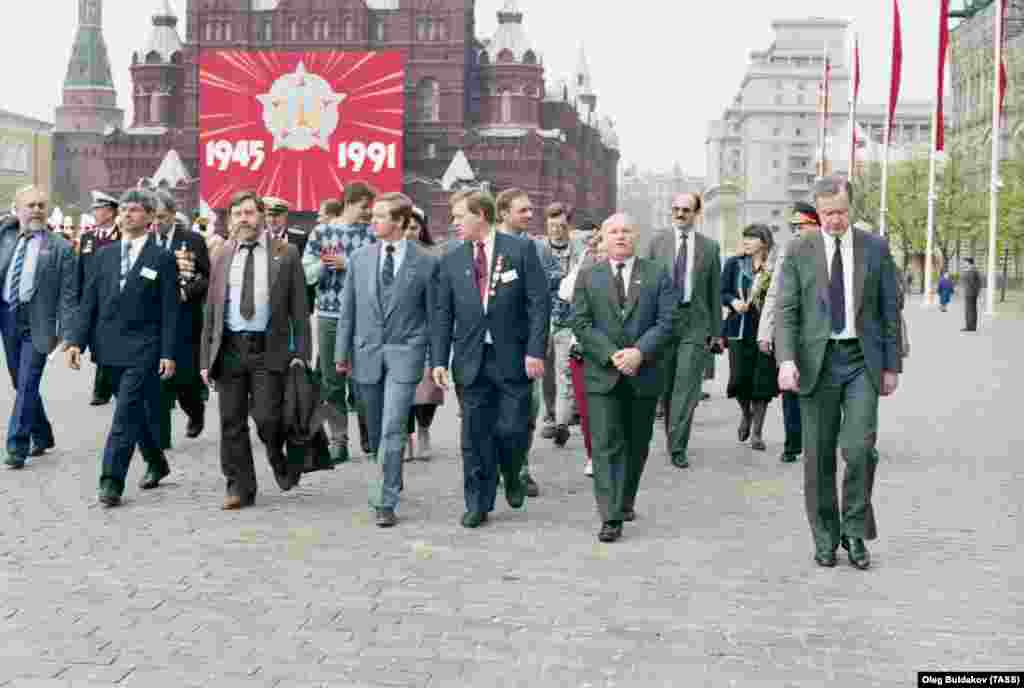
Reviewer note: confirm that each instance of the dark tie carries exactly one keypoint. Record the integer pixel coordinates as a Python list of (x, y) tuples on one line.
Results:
[(679, 270), (126, 261), (837, 290), (387, 276), (620, 284), (17, 267), (480, 267), (248, 304), (165, 241)]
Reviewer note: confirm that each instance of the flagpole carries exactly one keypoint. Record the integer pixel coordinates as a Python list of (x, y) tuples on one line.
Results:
[(993, 210), (883, 205), (929, 300), (853, 111)]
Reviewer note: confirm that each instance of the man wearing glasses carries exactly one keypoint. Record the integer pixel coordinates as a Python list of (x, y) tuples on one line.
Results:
[(694, 263)]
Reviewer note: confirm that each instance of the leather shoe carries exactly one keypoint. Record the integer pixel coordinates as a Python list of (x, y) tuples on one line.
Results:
[(15, 462), (680, 461), (515, 491), (826, 559), (386, 518), (288, 479), (857, 552), (561, 435), (788, 457), (109, 495), (532, 489), (156, 470), (235, 502), (628, 515), (548, 432), (40, 449), (610, 532), (96, 401), (195, 427), (474, 519)]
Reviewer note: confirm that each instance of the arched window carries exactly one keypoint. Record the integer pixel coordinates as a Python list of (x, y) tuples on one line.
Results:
[(349, 29), (268, 31), (316, 30), (227, 31), (506, 107), (153, 57), (218, 31), (506, 55), (421, 29), (293, 30), (428, 101), (208, 31), (442, 30), (379, 30), (325, 29), (434, 30)]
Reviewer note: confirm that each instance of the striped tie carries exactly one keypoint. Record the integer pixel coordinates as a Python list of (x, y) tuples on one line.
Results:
[(19, 265), (126, 261)]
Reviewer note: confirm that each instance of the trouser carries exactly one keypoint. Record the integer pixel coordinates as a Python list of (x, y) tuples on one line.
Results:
[(623, 424), (841, 413), (494, 432), (549, 386), (684, 373), (422, 414), (136, 420), (102, 385), (534, 404), (971, 313), (791, 422), (561, 339), (332, 384), (187, 391), (243, 373), (28, 422), (387, 413), (579, 386)]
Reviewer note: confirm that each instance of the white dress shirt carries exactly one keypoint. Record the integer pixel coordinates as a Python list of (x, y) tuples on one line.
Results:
[(134, 251), (846, 247), (690, 243), (489, 255), (261, 289), (399, 255), (627, 271)]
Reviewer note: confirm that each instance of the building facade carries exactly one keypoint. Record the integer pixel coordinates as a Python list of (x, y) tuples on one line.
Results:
[(489, 99), (647, 196), (26, 153)]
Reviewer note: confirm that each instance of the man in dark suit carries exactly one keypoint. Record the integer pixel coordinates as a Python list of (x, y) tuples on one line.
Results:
[(623, 319), (104, 233), (256, 326), (695, 265), (38, 297), (970, 279), (493, 295), (128, 312), (193, 263), (384, 336), (837, 345)]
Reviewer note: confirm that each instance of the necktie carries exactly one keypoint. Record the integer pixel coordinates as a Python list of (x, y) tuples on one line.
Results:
[(679, 270), (126, 261), (248, 303), (387, 277), (165, 241), (480, 267), (620, 284), (837, 290), (17, 267)]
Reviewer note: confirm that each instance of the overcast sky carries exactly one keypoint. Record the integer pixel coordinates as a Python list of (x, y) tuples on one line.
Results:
[(662, 69)]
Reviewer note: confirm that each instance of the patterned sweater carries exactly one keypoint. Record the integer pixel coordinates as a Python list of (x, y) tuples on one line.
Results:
[(332, 239)]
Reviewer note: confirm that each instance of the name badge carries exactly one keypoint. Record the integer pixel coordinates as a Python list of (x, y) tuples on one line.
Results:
[(87, 248), (148, 273), (509, 276)]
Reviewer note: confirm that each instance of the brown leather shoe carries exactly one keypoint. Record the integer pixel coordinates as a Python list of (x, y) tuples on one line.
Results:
[(235, 502)]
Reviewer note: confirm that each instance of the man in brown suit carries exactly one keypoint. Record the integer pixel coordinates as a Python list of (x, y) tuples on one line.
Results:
[(256, 326)]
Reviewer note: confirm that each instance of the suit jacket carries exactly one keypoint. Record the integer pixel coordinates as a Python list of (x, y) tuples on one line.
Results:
[(602, 327), (517, 315), (371, 333), (971, 282), (705, 312), (54, 298), (289, 312), (134, 326), (190, 308), (804, 320)]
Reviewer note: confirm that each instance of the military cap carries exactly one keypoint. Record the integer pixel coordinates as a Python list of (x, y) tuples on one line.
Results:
[(276, 206), (102, 200), (804, 214)]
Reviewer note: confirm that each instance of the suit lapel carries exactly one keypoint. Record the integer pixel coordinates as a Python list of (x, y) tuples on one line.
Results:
[(636, 281), (858, 271), (276, 253), (604, 281), (43, 260), (821, 265), (698, 258), (373, 260), (404, 278)]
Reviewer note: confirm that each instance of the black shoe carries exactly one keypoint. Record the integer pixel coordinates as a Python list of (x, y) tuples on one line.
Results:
[(156, 470), (341, 456), (365, 446), (109, 495), (826, 559), (680, 461), (15, 463), (195, 427), (789, 457), (516, 491), (474, 519), (704, 396), (532, 489), (548, 432), (386, 518), (575, 419), (287, 479), (628, 515), (610, 531), (857, 552), (561, 435), (40, 449), (99, 401)]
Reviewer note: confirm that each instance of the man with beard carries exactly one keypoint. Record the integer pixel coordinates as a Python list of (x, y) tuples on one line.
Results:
[(39, 291), (193, 262), (104, 233), (129, 313)]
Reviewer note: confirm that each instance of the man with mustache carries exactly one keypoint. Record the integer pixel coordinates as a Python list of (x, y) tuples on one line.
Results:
[(39, 292)]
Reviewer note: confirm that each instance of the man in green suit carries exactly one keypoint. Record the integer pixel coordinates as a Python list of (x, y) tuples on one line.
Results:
[(623, 319), (837, 345), (694, 265)]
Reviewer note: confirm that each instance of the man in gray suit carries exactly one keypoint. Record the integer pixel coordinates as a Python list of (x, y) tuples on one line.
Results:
[(837, 345), (383, 338), (38, 295)]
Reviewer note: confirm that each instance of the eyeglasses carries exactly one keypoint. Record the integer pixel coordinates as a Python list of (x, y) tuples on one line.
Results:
[(682, 210), (36, 204)]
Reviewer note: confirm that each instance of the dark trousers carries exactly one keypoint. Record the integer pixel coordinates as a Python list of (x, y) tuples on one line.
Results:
[(28, 421), (622, 424), (136, 422), (102, 384), (243, 374), (422, 414), (495, 415), (841, 414), (685, 364), (971, 313), (187, 392), (791, 422)]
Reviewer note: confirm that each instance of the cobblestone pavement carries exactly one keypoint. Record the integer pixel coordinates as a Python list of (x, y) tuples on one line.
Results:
[(713, 584)]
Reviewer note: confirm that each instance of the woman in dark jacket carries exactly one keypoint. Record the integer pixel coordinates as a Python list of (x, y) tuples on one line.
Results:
[(753, 375)]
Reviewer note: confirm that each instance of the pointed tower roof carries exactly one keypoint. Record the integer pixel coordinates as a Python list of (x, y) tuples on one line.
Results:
[(510, 34), (89, 66), (172, 170), (583, 82), (458, 171), (163, 39)]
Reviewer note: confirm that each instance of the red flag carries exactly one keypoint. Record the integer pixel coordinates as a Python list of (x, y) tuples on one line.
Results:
[(856, 66), (897, 63), (1002, 56), (940, 125)]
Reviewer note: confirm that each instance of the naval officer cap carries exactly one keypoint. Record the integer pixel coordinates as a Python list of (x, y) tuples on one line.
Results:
[(102, 200), (276, 206)]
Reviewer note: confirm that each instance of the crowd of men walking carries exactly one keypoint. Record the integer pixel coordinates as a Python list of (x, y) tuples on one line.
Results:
[(576, 322)]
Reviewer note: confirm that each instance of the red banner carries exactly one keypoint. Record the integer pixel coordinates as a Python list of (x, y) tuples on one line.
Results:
[(299, 125), (940, 120), (897, 64)]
